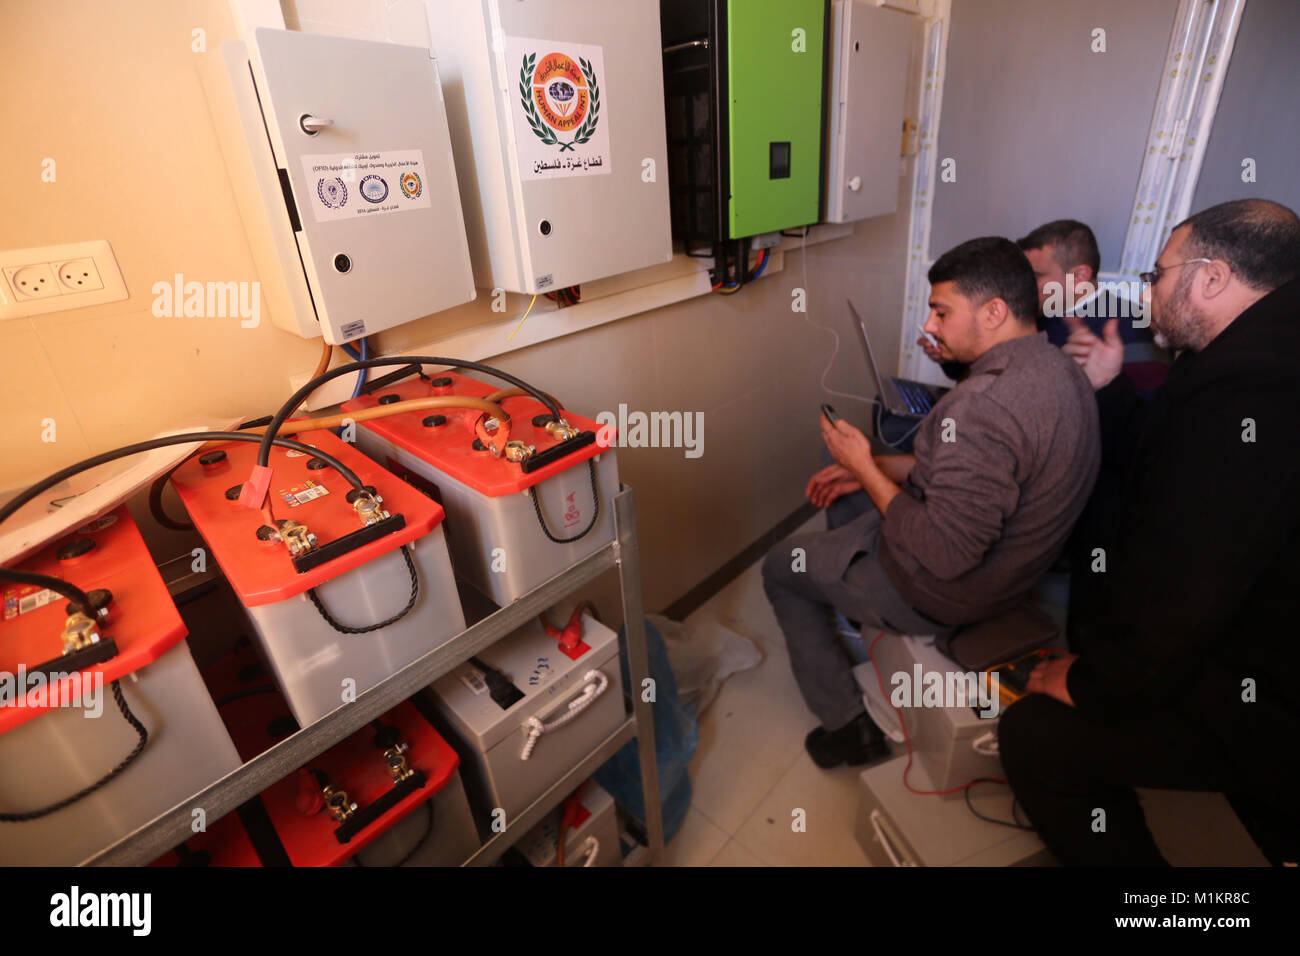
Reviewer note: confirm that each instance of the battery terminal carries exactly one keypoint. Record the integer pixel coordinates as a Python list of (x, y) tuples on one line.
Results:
[(561, 430), (518, 451), (338, 802), (369, 507), (80, 631), (297, 537), (395, 758)]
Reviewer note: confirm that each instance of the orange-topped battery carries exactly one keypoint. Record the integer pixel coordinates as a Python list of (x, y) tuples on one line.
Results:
[(262, 571), (357, 766), (448, 445), (107, 553), (294, 804), (225, 842)]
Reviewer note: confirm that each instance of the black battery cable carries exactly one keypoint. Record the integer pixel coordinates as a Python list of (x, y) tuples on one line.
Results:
[(82, 603), (298, 397), (69, 590), (78, 597), (160, 484)]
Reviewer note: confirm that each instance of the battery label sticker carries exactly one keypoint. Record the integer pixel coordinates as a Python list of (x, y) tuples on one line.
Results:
[(347, 185), (561, 114), (301, 494), (27, 598), (472, 678)]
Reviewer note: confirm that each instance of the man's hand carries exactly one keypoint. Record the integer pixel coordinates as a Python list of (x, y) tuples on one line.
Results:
[(930, 349), (830, 483), (1100, 359), (1049, 677), (852, 449), (847, 445)]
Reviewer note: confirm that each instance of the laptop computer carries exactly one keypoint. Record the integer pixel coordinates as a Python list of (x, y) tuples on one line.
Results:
[(901, 396)]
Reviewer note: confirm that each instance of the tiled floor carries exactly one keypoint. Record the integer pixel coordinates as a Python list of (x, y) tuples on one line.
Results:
[(758, 798), (752, 778)]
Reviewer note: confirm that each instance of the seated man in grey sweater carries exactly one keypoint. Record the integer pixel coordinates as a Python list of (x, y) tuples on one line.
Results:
[(963, 528)]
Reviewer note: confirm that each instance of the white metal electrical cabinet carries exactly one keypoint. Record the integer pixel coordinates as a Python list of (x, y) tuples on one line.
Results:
[(869, 54), (557, 116), (360, 211)]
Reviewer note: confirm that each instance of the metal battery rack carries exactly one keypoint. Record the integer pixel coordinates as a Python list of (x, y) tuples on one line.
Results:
[(165, 831)]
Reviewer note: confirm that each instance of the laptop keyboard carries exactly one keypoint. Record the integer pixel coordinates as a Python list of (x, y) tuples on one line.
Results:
[(918, 399)]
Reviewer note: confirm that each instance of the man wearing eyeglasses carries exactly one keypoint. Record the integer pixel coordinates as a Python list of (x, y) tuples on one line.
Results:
[(1187, 677)]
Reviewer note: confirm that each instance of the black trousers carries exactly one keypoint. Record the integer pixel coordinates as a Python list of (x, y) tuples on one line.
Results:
[(1075, 778)]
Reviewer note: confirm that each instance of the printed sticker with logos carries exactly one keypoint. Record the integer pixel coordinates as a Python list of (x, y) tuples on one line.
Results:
[(24, 598), (561, 113), (301, 494), (347, 185)]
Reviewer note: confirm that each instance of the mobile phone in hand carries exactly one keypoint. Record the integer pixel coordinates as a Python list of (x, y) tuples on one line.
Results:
[(830, 414)]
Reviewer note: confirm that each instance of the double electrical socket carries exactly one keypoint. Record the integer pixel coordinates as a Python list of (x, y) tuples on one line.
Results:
[(54, 278)]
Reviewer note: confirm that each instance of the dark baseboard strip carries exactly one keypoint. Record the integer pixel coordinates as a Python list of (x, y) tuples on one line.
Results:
[(720, 578)]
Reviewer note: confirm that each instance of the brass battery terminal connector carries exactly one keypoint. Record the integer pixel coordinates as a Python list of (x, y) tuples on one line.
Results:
[(296, 536), (518, 451), (369, 507), (80, 631), (337, 802), (395, 758), (561, 430)]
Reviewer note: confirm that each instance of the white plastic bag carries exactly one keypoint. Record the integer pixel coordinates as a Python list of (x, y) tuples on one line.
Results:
[(703, 656)]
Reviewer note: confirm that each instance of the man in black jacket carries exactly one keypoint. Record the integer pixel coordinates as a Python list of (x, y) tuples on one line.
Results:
[(1187, 679)]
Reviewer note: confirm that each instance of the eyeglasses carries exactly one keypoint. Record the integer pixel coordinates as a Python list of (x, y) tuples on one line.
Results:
[(1151, 278)]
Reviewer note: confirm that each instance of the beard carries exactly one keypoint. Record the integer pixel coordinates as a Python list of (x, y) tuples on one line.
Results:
[(1181, 325)]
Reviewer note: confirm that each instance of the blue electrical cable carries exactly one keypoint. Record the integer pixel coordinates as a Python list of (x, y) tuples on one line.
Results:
[(361, 378)]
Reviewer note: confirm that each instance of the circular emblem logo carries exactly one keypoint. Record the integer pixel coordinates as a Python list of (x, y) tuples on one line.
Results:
[(560, 92), (332, 192), (374, 189), (411, 185)]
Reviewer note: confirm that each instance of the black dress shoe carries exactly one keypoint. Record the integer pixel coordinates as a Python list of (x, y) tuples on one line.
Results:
[(857, 742)]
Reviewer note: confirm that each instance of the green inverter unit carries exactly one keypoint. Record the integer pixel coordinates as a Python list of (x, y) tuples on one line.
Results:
[(745, 83)]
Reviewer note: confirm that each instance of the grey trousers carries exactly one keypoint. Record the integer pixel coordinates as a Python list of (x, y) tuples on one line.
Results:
[(807, 575)]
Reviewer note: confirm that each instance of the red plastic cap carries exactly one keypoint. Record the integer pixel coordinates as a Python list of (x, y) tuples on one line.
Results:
[(256, 488), (309, 800), (262, 571)]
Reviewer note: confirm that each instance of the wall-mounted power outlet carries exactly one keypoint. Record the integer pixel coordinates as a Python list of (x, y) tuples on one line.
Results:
[(79, 275), (55, 278), (32, 282)]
